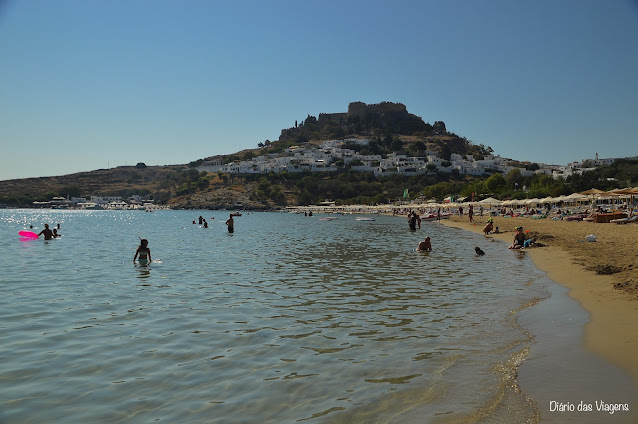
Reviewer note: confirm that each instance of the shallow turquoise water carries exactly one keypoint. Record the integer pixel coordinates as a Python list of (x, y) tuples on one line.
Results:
[(289, 319)]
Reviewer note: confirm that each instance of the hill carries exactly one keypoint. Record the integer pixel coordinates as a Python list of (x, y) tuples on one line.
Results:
[(389, 127)]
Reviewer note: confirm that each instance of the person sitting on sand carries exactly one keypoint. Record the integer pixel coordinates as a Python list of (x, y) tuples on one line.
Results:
[(48, 234), (489, 227), (497, 231), (144, 252), (478, 251), (425, 245), (519, 239)]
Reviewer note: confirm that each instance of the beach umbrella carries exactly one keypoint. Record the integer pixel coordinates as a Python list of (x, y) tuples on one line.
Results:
[(490, 201), (628, 190), (546, 200), (631, 192), (576, 197), (592, 192), (617, 193), (533, 201)]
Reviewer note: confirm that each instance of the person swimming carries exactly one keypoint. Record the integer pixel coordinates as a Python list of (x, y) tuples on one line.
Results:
[(425, 245), (478, 251), (143, 252)]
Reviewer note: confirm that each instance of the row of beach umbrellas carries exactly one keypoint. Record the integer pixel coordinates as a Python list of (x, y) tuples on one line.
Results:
[(588, 196), (583, 197)]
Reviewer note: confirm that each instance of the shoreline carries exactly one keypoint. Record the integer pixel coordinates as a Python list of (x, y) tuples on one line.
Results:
[(610, 330)]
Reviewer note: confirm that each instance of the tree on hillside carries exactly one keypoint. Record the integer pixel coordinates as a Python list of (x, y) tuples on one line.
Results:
[(397, 144), (418, 147), (514, 178), (495, 182), (446, 152)]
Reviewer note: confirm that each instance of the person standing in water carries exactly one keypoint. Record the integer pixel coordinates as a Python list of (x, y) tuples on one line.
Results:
[(230, 223), (412, 221), (144, 252), (48, 234)]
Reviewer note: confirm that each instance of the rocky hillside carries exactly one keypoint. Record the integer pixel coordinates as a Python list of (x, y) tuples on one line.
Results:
[(389, 126)]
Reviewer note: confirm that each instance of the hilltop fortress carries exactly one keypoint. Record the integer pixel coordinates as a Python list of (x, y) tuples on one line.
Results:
[(362, 111), (382, 114)]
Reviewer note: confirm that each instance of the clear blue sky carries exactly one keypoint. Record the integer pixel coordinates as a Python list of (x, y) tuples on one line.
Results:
[(102, 83)]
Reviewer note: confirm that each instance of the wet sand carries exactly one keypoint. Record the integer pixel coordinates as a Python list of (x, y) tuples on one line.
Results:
[(606, 368)]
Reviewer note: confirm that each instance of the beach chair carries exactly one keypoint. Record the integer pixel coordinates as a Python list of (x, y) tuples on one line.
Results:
[(624, 220)]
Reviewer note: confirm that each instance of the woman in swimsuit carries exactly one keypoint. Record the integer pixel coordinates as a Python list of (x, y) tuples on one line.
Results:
[(519, 239), (144, 252)]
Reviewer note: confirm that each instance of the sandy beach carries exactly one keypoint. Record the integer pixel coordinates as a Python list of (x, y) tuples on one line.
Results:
[(602, 276)]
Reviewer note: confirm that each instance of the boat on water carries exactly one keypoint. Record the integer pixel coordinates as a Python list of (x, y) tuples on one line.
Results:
[(364, 219), (328, 218), (235, 214), (433, 216)]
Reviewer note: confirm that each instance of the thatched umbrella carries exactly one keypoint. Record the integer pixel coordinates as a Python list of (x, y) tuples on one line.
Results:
[(593, 192), (631, 191)]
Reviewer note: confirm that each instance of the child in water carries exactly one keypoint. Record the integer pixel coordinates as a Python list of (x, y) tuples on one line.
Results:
[(144, 252)]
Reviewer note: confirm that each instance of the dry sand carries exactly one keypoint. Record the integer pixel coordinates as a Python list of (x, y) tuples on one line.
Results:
[(602, 276)]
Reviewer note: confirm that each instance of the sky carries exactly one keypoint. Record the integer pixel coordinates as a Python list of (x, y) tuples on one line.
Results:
[(86, 85)]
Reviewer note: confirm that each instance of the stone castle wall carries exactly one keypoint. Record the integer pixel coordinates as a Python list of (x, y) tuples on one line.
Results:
[(335, 118), (363, 110)]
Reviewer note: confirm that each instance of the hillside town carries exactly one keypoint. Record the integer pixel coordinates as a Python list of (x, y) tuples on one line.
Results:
[(331, 154), (135, 202)]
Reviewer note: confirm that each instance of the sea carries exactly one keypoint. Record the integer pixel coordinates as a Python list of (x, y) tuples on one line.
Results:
[(290, 319)]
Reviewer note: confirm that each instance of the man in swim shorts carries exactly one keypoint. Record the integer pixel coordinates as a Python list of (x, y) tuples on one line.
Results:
[(48, 234)]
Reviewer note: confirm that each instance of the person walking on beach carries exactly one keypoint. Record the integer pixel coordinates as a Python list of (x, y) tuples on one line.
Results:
[(231, 224), (48, 234), (470, 213), (143, 252), (425, 245)]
